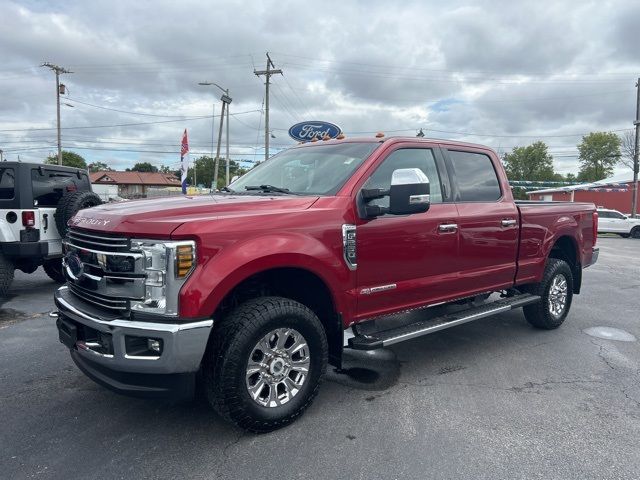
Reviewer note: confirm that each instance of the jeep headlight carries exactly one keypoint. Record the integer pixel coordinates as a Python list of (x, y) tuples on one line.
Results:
[(166, 266)]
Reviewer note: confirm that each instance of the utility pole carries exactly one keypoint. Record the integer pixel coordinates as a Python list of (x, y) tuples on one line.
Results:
[(226, 101), (58, 70), (636, 153), (217, 160), (271, 70), (226, 182)]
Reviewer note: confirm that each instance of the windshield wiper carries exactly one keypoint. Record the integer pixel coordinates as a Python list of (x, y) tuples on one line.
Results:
[(267, 188)]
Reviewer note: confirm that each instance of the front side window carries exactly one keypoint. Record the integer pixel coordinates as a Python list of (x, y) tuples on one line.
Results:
[(50, 185), (476, 177), (618, 215), (313, 170), (421, 158), (7, 183)]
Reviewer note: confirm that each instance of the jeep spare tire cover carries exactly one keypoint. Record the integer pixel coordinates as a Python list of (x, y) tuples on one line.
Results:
[(70, 204)]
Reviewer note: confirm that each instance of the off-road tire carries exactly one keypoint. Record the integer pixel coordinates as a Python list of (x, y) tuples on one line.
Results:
[(53, 268), (6, 275), (539, 314), (231, 344), (70, 204), (635, 232)]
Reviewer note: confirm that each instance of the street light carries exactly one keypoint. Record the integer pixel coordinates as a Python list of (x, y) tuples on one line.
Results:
[(226, 101)]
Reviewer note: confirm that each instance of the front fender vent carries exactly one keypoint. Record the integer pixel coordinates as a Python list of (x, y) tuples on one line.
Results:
[(349, 246)]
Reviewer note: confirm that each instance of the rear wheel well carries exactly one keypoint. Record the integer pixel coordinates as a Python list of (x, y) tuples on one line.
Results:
[(566, 249), (297, 284)]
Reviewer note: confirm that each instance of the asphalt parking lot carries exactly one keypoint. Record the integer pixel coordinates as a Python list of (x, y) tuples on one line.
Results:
[(490, 399)]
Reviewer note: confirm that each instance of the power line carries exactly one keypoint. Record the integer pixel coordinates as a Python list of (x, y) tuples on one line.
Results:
[(201, 117)]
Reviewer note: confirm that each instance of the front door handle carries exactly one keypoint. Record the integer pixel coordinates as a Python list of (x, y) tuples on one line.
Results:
[(447, 227), (509, 222)]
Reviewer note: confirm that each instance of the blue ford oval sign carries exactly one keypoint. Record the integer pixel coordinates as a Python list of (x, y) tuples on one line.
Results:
[(307, 131)]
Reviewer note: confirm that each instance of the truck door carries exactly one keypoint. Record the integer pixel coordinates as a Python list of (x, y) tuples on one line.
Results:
[(487, 221), (409, 260)]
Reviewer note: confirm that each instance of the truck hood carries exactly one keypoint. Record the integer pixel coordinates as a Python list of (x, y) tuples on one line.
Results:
[(159, 217)]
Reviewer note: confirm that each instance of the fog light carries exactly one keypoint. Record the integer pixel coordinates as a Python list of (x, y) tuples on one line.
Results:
[(154, 345)]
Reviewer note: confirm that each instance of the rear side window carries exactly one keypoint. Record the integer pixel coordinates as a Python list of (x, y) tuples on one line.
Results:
[(476, 177), (50, 185), (7, 183)]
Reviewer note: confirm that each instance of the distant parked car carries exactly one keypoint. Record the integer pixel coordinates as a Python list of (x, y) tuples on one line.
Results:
[(612, 221)]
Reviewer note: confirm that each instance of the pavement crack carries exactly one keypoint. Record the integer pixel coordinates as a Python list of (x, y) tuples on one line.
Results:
[(601, 350)]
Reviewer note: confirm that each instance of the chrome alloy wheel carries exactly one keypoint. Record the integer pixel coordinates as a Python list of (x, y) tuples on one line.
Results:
[(558, 295), (278, 367)]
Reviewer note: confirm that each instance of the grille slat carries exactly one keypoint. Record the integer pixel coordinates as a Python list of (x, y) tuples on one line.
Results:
[(97, 299), (103, 241)]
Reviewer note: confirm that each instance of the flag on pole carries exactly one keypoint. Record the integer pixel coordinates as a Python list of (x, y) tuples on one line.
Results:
[(184, 160)]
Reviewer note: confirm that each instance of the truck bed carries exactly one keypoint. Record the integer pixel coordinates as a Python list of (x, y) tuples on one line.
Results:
[(543, 223)]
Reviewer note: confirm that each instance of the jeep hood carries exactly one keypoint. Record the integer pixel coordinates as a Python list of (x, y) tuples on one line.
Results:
[(160, 217)]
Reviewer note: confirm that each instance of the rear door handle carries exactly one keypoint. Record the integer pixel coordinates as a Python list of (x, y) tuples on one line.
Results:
[(509, 222), (447, 227)]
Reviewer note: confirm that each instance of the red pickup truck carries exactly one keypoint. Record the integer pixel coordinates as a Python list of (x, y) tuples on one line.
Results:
[(256, 289)]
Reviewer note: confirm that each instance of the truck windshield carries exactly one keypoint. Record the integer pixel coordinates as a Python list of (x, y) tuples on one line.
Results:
[(313, 170)]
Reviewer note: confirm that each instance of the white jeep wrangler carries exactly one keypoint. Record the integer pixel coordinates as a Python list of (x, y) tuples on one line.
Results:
[(36, 202)]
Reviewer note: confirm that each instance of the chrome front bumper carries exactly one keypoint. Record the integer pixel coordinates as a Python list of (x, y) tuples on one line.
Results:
[(184, 344)]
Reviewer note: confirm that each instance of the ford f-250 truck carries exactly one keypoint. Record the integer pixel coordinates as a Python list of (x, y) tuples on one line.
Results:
[(256, 289)]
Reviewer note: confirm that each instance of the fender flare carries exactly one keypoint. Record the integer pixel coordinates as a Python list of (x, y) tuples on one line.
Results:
[(211, 282)]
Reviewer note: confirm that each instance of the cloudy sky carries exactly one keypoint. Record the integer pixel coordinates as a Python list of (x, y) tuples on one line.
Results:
[(500, 73)]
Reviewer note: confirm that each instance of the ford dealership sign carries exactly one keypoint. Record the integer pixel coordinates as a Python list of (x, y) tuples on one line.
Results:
[(307, 131)]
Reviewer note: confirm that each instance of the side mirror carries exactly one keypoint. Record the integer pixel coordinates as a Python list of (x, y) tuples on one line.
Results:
[(409, 192)]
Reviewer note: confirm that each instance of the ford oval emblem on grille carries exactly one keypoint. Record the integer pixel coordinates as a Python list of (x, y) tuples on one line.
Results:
[(74, 264)]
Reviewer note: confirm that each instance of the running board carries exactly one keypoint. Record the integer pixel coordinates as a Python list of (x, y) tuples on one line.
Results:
[(425, 327)]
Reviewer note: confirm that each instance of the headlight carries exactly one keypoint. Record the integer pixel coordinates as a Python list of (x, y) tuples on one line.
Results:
[(166, 266)]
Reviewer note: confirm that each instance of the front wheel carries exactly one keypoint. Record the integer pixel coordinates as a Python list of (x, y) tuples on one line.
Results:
[(265, 362), (556, 291), (53, 268), (635, 233)]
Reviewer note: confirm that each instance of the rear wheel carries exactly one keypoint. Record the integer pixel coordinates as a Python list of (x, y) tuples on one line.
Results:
[(265, 363), (556, 291), (6, 275), (53, 268)]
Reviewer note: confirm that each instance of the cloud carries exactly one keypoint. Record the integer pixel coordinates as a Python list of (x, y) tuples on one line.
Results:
[(513, 72)]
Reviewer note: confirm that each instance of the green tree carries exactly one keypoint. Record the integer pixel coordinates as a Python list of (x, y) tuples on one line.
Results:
[(533, 163), (204, 167), (570, 177), (599, 153), (143, 167), (99, 167), (165, 169), (69, 159)]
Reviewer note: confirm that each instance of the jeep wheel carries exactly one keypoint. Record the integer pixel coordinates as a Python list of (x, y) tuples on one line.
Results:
[(6, 275), (53, 268), (70, 204), (556, 290), (265, 362)]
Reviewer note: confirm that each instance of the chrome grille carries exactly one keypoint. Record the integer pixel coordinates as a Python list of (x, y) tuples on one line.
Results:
[(104, 242), (98, 299)]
